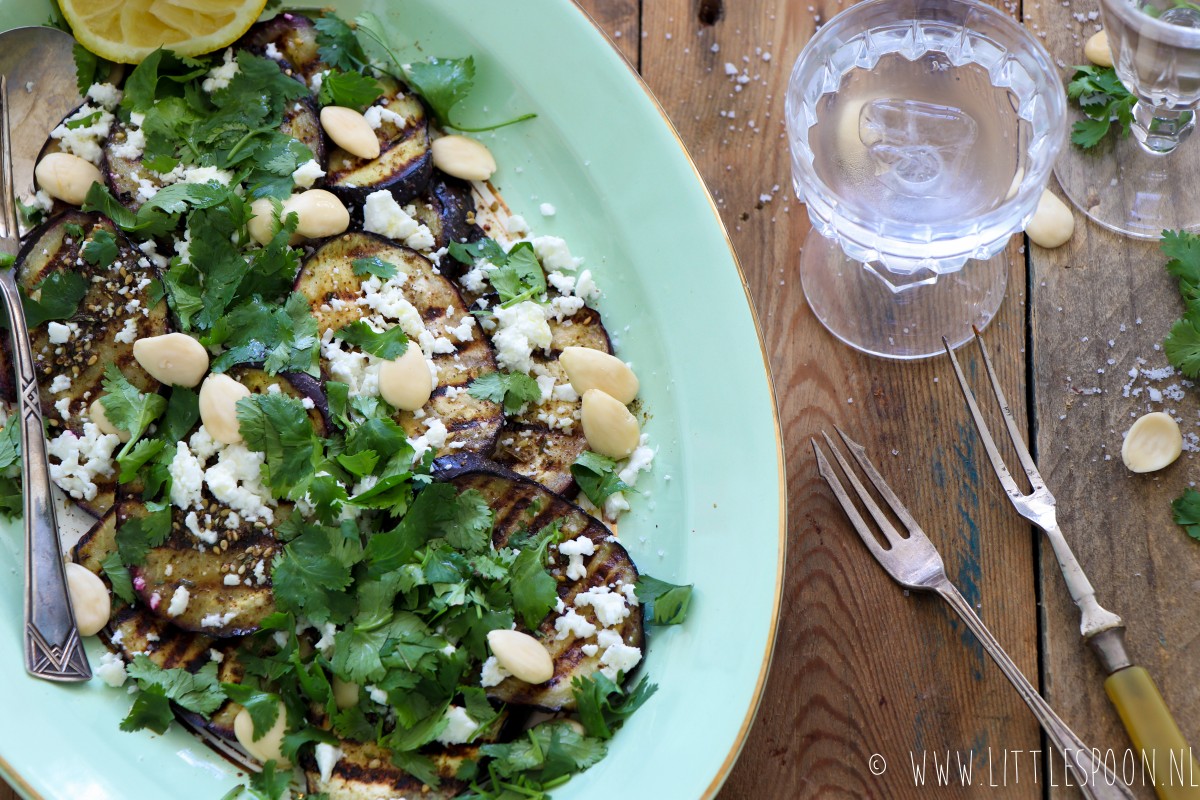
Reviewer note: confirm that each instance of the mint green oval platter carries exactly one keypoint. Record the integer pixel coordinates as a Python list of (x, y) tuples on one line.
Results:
[(712, 511)]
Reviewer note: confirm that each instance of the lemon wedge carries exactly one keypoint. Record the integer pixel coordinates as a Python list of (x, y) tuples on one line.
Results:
[(127, 31)]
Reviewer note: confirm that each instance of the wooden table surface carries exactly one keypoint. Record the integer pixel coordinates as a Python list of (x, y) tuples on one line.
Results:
[(861, 670)]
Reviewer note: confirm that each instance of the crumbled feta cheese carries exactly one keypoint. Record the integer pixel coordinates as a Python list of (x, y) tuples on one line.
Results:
[(236, 481), (572, 624), (111, 669), (520, 329), (84, 140), (81, 459), (618, 657), (231, 579), (187, 477), (575, 550), (326, 756), (61, 383), (58, 333), (609, 606), (565, 392), (307, 173), (465, 330), (459, 727), (128, 333), (377, 115), (219, 77), (383, 215), (206, 175), (516, 224), (589, 650), (475, 279), (377, 694), (547, 210), (434, 438), (105, 94), (216, 620), (63, 406), (179, 601), (555, 255), (272, 51), (492, 673)]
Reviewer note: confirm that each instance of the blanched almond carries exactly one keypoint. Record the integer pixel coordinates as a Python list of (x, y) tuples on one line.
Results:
[(350, 131), (262, 225), (522, 655), (219, 395), (89, 599), (345, 693), (320, 213), (1152, 443), (406, 382), (463, 157), (1052, 223), (1097, 50), (267, 747), (99, 417), (608, 426), (592, 369), (67, 177), (175, 359)]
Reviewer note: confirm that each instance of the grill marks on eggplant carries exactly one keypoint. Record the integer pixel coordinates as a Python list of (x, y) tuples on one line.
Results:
[(115, 295), (366, 772), (521, 505), (405, 162), (333, 290), (295, 39), (447, 208), (533, 447)]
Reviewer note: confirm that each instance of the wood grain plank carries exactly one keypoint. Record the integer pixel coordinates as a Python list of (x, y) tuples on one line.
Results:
[(859, 668), (1103, 303), (621, 20)]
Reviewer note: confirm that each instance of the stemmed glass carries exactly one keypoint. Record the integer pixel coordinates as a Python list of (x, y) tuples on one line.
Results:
[(1143, 184), (922, 134)]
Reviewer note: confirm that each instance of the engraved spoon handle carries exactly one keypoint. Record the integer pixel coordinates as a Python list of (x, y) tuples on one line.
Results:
[(53, 649)]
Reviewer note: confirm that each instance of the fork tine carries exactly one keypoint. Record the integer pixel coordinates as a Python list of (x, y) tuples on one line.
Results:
[(989, 444), (8, 208), (873, 508), (860, 455), (1010, 422), (839, 491)]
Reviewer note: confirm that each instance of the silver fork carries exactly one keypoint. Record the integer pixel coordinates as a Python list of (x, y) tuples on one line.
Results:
[(915, 563), (53, 649), (1130, 688)]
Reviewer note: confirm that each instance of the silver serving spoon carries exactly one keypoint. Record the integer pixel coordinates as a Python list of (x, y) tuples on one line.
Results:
[(37, 89)]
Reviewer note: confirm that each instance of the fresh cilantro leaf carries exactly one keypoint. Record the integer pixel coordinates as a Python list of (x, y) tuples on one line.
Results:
[(58, 298), (512, 389), (1185, 510), (199, 692), (665, 603), (100, 199), (271, 783), (349, 89), (151, 709), (281, 339), (118, 575), (183, 410), (311, 574), (356, 654), (597, 477), (469, 524), (443, 83), (419, 766), (89, 68), (548, 752), (10, 497), (1183, 250), (216, 256), (136, 536), (127, 408), (374, 266), (278, 426), (101, 249), (439, 511), (7, 260), (521, 276), (182, 285), (1182, 346), (534, 590), (1104, 100), (603, 706), (83, 122), (136, 458), (10, 444), (337, 45), (470, 252), (359, 464), (163, 70), (387, 345), (263, 707)]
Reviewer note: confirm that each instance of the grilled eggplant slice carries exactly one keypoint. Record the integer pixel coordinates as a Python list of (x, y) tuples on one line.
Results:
[(405, 162), (328, 281), (295, 39), (543, 442), (519, 504), (365, 772), (115, 311), (447, 208)]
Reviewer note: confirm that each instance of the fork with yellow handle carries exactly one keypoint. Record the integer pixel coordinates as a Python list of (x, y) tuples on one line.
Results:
[(1130, 688)]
